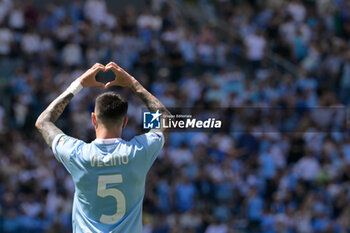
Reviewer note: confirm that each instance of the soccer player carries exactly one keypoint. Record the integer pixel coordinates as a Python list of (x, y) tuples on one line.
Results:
[(109, 173)]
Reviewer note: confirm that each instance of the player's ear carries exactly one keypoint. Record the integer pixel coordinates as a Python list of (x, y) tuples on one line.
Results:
[(93, 118), (125, 121)]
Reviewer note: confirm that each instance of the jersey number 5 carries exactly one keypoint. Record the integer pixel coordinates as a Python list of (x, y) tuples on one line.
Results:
[(103, 191)]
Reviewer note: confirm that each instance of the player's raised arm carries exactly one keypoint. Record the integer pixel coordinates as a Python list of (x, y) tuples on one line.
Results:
[(124, 79), (45, 122)]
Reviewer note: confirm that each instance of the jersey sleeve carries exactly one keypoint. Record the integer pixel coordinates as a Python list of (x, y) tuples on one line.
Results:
[(64, 147), (152, 143)]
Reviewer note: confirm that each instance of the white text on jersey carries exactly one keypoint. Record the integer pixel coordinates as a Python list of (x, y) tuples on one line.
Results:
[(108, 160)]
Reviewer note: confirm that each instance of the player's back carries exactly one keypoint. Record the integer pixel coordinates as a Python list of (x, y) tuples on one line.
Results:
[(109, 175)]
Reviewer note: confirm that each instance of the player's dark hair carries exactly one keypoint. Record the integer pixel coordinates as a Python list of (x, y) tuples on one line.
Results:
[(110, 108)]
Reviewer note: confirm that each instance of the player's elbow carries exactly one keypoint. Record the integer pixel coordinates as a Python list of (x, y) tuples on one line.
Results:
[(38, 123)]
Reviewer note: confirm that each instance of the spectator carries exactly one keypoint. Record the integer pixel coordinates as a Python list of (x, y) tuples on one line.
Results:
[(72, 54), (185, 194), (307, 168), (251, 177), (6, 40), (31, 43), (96, 11), (255, 49)]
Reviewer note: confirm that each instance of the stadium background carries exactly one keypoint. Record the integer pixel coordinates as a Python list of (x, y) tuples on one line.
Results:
[(292, 53)]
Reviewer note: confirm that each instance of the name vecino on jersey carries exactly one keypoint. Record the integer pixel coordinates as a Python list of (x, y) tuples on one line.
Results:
[(109, 160)]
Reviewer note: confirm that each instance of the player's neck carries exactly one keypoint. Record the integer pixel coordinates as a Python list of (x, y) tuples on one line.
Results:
[(104, 133)]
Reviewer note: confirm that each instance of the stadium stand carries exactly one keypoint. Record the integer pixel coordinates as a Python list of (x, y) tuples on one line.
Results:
[(241, 181)]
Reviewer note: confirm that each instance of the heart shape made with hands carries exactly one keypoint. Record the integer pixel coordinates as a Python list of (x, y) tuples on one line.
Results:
[(119, 78), (105, 76)]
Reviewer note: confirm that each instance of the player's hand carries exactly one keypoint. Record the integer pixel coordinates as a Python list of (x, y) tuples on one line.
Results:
[(88, 79), (122, 78)]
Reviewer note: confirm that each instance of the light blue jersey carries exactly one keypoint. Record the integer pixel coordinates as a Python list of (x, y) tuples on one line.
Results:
[(109, 177)]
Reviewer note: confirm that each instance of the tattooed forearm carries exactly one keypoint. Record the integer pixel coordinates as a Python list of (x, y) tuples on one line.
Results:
[(152, 103), (46, 120), (49, 131)]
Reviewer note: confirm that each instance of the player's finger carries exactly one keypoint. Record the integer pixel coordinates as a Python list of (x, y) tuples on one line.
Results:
[(109, 66), (95, 66), (97, 69), (110, 84), (99, 84), (107, 85), (112, 68), (119, 68), (115, 65), (111, 63), (98, 66)]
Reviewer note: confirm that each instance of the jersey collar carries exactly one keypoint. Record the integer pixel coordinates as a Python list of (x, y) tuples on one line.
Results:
[(106, 140)]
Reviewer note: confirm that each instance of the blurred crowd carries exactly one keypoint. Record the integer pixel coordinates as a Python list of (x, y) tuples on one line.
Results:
[(245, 179)]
